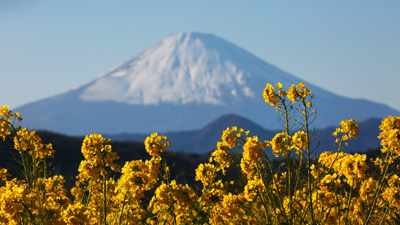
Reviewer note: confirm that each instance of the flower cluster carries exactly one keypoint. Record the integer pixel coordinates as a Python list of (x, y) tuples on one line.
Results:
[(174, 202), (98, 157), (280, 144), (155, 144), (30, 142), (335, 188), (6, 121), (231, 211), (138, 176), (390, 134), (349, 129), (298, 92), (270, 96), (230, 136), (45, 201), (253, 156), (299, 142), (221, 157), (352, 167)]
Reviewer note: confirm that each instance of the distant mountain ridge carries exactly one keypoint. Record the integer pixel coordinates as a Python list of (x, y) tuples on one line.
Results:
[(205, 140), (182, 83)]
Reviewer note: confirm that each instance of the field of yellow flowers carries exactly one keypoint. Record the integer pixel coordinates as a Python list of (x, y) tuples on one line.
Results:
[(332, 188)]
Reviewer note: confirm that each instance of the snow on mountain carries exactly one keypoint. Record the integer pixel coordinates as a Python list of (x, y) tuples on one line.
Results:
[(183, 68), (182, 83)]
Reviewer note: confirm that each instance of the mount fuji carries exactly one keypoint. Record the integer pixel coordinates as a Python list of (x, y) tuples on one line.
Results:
[(182, 83)]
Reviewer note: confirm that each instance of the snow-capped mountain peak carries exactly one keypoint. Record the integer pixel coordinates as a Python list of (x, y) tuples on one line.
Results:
[(183, 68), (181, 83)]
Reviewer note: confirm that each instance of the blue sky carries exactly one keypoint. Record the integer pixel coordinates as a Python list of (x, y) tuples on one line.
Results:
[(351, 48)]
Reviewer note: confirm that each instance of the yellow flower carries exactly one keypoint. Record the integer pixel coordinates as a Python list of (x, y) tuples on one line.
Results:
[(253, 189), (30, 142), (231, 211), (280, 145), (282, 93), (3, 174), (155, 144), (348, 126), (351, 166), (138, 176), (336, 132), (252, 155), (229, 138), (173, 203), (206, 173), (299, 92), (292, 94), (299, 140), (4, 110), (98, 156), (270, 96), (221, 157), (301, 85), (390, 135)]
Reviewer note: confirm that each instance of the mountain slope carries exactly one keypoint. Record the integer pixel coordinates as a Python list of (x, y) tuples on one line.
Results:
[(205, 139), (181, 83), (181, 69)]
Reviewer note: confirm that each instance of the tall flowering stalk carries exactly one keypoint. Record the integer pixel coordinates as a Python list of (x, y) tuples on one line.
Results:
[(278, 182), (37, 198), (93, 177), (284, 143)]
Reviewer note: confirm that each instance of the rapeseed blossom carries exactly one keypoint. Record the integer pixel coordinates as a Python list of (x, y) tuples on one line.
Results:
[(299, 142), (6, 121), (352, 167), (270, 96), (253, 156), (155, 144), (280, 144), (334, 188), (390, 134)]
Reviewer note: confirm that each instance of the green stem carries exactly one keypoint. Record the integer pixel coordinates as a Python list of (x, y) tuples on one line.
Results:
[(23, 157), (309, 179), (123, 207), (104, 190), (349, 203), (376, 194), (105, 199), (278, 199), (289, 178)]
